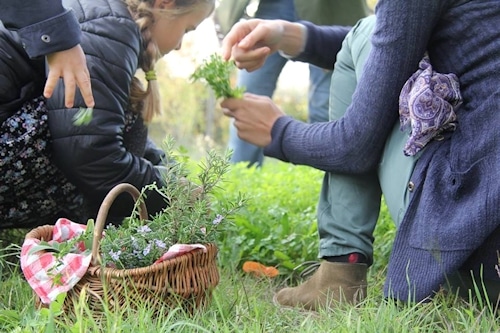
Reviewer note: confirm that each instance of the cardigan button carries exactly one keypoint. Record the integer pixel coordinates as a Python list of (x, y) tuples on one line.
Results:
[(45, 38), (411, 186)]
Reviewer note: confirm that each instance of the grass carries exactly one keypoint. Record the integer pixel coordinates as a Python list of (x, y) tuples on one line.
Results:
[(243, 303)]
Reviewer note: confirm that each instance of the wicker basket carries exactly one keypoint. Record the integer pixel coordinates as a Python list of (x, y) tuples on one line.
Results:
[(186, 281)]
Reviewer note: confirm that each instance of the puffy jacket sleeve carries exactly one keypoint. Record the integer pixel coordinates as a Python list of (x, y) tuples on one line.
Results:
[(36, 18), (21, 79), (93, 156)]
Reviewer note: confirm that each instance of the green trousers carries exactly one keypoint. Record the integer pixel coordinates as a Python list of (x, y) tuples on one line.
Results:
[(349, 205)]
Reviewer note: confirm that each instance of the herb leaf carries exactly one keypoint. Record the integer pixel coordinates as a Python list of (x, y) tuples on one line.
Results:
[(83, 116), (217, 72)]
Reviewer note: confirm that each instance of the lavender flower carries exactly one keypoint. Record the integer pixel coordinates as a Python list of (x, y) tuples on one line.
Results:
[(146, 250), (137, 254), (185, 221), (217, 219), (143, 229), (160, 244), (115, 255)]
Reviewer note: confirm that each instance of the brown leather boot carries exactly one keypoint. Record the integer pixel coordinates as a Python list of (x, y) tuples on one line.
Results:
[(333, 282)]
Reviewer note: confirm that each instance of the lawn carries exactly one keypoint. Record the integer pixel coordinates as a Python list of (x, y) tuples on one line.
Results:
[(277, 228)]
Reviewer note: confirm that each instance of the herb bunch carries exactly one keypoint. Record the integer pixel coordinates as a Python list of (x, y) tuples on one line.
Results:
[(196, 212), (216, 72)]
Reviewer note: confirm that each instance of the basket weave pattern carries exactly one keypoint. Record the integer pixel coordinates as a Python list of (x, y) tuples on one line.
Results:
[(185, 281)]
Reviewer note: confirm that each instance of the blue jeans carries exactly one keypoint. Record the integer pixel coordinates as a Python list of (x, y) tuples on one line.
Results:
[(263, 82)]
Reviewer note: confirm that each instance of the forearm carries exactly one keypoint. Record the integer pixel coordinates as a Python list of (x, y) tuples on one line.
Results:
[(328, 146), (322, 44)]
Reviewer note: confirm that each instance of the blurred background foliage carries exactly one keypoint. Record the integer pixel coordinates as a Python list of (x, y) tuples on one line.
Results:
[(193, 117)]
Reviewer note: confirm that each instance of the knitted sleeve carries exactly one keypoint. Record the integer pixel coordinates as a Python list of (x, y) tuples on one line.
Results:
[(353, 144)]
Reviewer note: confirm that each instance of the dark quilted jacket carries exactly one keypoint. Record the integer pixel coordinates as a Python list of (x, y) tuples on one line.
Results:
[(93, 157)]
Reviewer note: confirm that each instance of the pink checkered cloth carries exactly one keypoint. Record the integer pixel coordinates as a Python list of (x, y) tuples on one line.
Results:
[(49, 277), (179, 249)]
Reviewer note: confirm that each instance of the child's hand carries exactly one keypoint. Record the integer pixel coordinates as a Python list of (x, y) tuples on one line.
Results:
[(72, 67)]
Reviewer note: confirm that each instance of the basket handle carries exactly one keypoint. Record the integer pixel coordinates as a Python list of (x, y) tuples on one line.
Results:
[(103, 213)]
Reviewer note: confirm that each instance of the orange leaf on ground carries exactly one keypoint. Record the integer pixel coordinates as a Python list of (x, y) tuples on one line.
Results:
[(259, 269)]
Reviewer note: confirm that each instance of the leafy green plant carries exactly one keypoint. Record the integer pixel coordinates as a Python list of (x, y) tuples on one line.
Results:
[(277, 226), (193, 215), (217, 72)]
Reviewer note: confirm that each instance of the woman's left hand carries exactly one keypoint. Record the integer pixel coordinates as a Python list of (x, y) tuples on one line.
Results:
[(254, 117)]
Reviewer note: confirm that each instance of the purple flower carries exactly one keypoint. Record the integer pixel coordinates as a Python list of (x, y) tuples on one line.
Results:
[(143, 229), (160, 244), (115, 255), (146, 250), (217, 219)]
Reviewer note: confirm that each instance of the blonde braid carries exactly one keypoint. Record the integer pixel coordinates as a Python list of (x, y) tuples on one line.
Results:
[(143, 16)]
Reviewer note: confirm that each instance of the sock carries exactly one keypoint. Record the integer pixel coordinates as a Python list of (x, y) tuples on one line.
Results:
[(352, 258)]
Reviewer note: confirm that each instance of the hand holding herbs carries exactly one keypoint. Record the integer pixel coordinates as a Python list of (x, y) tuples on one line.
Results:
[(217, 73)]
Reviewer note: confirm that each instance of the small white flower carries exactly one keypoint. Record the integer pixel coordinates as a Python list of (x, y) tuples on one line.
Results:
[(146, 251), (217, 219), (143, 229), (115, 255), (161, 244)]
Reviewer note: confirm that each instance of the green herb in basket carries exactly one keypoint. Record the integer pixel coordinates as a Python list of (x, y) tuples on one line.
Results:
[(83, 116), (70, 246), (217, 73), (198, 211)]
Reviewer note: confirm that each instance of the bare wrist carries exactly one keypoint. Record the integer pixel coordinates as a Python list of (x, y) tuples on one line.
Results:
[(293, 40)]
